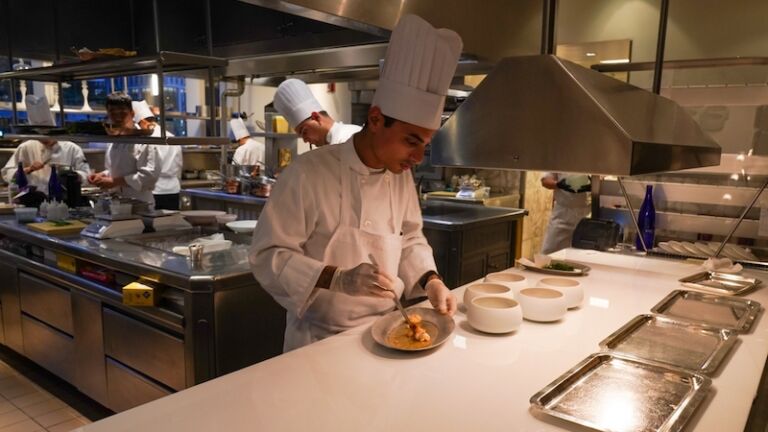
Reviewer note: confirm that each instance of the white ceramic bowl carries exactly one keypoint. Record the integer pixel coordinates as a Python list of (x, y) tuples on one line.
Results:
[(484, 289), (494, 314), (542, 304), (515, 281), (571, 289), (202, 217), (226, 218), (243, 226), (25, 214)]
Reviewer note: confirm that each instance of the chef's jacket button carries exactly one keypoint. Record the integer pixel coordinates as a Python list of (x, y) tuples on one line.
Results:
[(367, 223)]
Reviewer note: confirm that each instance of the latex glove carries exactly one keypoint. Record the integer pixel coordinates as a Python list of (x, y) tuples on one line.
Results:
[(575, 183), (364, 279), (441, 297)]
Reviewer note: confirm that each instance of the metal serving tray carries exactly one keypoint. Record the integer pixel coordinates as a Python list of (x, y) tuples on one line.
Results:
[(699, 348), (720, 283), (726, 312), (608, 392)]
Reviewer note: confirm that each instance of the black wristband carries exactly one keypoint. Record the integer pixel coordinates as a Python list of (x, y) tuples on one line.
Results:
[(424, 279)]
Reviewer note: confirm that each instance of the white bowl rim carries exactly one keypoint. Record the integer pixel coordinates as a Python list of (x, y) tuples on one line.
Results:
[(554, 291), (514, 303), (570, 283)]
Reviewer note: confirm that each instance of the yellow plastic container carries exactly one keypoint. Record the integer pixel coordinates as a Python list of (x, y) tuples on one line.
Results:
[(280, 125)]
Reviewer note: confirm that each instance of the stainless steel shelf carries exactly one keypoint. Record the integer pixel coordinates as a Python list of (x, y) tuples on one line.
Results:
[(126, 139), (167, 61)]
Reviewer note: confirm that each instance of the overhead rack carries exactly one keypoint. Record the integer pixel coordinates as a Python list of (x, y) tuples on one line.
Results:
[(165, 61)]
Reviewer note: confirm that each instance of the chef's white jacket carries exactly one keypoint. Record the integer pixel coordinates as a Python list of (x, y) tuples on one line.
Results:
[(62, 153), (250, 153), (171, 160), (138, 165), (340, 132), (304, 210)]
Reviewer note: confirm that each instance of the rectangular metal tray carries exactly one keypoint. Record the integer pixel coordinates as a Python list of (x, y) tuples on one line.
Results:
[(695, 347), (726, 312), (609, 392), (720, 283)]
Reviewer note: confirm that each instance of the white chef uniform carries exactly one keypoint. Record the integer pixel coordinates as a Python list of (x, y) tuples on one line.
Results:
[(62, 153), (169, 157), (340, 132), (328, 208), (138, 164), (568, 210), (250, 153), (295, 101)]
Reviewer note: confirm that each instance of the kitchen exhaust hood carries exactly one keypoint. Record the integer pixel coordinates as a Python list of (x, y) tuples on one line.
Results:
[(547, 114)]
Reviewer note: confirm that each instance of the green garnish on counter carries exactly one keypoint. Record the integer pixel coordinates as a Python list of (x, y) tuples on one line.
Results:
[(59, 223), (560, 266)]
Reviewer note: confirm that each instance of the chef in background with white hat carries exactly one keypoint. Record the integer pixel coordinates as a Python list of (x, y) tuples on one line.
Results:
[(249, 151), (294, 100), (170, 158), (342, 229), (37, 157)]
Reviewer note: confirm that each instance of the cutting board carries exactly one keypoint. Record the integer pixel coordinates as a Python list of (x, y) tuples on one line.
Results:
[(51, 228)]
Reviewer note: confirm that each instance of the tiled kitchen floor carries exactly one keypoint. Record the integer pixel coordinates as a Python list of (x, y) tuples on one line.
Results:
[(25, 407)]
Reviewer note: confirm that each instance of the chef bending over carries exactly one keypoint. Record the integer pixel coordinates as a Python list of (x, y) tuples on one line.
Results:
[(342, 229)]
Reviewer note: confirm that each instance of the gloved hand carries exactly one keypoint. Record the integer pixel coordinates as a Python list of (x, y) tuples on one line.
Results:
[(364, 279), (441, 297), (575, 183)]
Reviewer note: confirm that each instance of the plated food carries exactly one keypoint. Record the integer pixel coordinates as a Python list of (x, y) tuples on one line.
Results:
[(433, 329), (557, 267)]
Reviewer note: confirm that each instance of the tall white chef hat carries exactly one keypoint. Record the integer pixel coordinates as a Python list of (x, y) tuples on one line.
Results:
[(238, 128), (38, 111), (294, 100), (141, 110), (418, 69)]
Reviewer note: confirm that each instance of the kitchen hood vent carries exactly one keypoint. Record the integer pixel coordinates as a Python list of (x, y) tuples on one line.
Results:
[(547, 114)]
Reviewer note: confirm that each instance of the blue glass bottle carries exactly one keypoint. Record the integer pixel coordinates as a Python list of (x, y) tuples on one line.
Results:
[(55, 191), (646, 220), (21, 178)]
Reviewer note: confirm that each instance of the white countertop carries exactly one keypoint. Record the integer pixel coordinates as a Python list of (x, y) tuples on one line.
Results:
[(474, 382)]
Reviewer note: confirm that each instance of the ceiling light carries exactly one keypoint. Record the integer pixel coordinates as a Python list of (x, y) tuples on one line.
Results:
[(615, 61), (590, 54)]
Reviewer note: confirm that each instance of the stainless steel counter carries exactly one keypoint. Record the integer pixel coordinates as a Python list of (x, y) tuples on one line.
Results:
[(218, 270), (437, 214)]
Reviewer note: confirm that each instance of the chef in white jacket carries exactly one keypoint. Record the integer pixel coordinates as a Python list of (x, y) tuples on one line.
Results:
[(37, 157), (295, 102), (170, 157), (131, 169), (342, 229), (249, 151), (571, 195)]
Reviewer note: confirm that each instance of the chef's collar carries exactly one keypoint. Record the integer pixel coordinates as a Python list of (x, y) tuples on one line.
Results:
[(333, 128), (351, 158)]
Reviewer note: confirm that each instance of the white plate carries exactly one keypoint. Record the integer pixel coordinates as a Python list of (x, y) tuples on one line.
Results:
[(707, 249), (243, 226), (665, 247), (442, 327), (692, 249), (678, 248)]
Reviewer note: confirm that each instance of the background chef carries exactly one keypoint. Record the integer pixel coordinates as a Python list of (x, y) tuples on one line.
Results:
[(249, 151), (343, 227), (294, 100), (170, 157), (131, 169), (37, 157), (571, 205)]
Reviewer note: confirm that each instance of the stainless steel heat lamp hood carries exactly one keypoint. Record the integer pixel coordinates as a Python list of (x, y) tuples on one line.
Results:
[(544, 113)]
